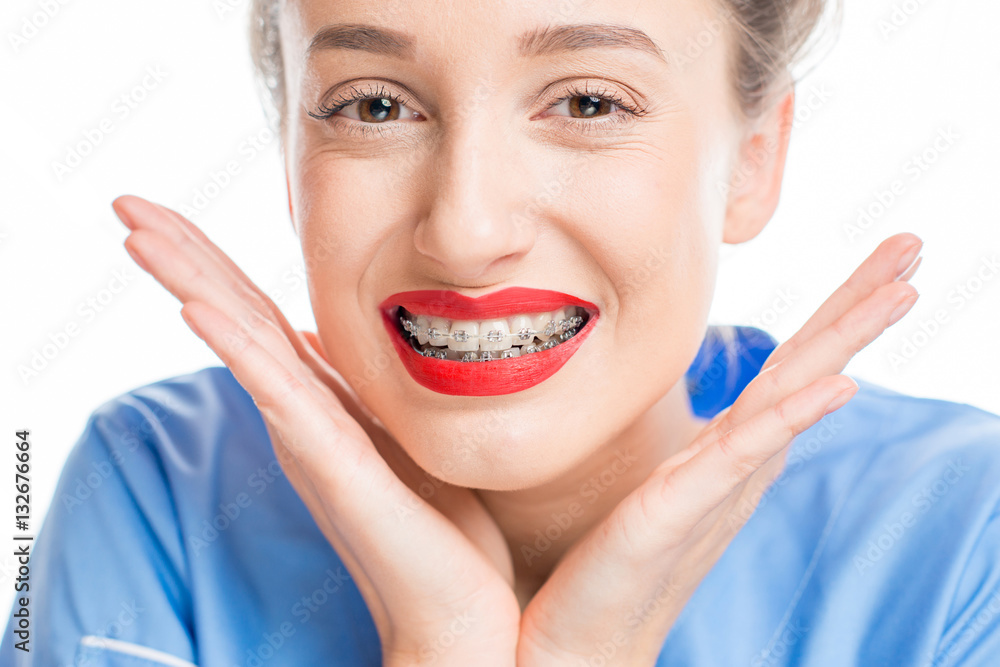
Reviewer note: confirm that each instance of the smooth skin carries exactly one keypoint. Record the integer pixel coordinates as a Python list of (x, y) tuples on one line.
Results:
[(656, 546)]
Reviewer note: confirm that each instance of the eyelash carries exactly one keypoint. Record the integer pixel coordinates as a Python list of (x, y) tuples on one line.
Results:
[(327, 111)]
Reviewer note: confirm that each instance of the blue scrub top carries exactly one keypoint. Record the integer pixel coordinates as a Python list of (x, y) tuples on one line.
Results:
[(175, 539)]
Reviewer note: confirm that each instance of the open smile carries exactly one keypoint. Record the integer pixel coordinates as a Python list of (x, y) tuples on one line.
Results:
[(518, 336)]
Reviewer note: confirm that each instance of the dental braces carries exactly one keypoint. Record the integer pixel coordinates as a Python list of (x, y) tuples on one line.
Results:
[(495, 335), (488, 355)]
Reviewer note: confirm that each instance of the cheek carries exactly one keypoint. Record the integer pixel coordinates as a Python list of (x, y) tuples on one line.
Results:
[(343, 221), (653, 236)]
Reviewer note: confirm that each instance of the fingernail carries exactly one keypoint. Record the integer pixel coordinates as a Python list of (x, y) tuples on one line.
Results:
[(907, 259), (902, 309), (137, 259), (909, 273), (841, 398)]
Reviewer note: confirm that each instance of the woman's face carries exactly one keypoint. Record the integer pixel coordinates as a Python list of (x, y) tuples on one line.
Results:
[(464, 172)]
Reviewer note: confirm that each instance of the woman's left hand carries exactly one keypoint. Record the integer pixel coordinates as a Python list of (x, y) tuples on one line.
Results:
[(614, 596)]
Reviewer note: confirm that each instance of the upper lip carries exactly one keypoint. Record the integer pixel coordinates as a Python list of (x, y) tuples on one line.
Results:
[(502, 303)]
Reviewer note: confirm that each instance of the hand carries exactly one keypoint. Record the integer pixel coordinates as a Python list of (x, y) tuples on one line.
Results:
[(438, 577), (658, 544)]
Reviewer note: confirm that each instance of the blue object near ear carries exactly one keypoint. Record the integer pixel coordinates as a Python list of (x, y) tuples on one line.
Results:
[(729, 358)]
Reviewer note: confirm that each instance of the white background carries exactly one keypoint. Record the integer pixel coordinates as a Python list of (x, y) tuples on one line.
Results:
[(872, 104)]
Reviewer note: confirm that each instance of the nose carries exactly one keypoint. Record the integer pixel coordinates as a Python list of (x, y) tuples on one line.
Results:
[(474, 223)]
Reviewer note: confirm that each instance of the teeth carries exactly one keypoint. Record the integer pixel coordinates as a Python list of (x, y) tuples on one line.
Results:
[(544, 325), (490, 340), (423, 324), (495, 336), (523, 328), (438, 333), (464, 336)]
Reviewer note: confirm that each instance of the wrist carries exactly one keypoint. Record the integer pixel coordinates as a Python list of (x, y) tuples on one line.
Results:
[(455, 645)]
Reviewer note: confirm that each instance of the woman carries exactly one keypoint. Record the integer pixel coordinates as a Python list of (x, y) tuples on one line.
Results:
[(487, 453)]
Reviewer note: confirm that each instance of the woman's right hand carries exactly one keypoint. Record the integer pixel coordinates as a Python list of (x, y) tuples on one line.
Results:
[(436, 574)]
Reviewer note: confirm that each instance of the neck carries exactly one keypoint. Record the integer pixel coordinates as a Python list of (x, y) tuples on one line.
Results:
[(542, 523)]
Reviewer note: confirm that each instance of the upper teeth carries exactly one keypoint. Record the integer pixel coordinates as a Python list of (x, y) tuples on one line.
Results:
[(494, 334)]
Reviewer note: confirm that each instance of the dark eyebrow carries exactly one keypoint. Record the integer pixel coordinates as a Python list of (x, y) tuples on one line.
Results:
[(538, 42), (361, 37), (554, 39)]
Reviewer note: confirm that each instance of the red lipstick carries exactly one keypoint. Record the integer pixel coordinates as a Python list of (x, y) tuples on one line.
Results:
[(483, 378)]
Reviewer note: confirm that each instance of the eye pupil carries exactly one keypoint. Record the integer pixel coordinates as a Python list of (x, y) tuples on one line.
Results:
[(378, 109), (588, 105)]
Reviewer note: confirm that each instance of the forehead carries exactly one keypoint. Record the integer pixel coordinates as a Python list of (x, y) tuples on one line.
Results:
[(462, 30)]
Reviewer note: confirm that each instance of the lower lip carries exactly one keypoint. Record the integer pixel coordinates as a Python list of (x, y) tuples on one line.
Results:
[(484, 378)]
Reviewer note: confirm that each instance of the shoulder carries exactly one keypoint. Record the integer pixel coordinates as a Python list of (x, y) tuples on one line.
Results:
[(181, 477), (898, 443), (893, 474), (879, 543), (190, 432), (181, 415), (898, 499)]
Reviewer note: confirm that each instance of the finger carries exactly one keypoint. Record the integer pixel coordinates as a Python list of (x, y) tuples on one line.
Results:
[(692, 490), (350, 490), (189, 281), (314, 428), (892, 260), (138, 213), (826, 353)]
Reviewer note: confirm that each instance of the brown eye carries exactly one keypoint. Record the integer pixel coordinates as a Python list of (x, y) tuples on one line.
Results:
[(588, 106), (377, 110)]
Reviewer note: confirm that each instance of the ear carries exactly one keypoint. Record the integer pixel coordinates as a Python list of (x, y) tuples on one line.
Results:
[(755, 183)]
